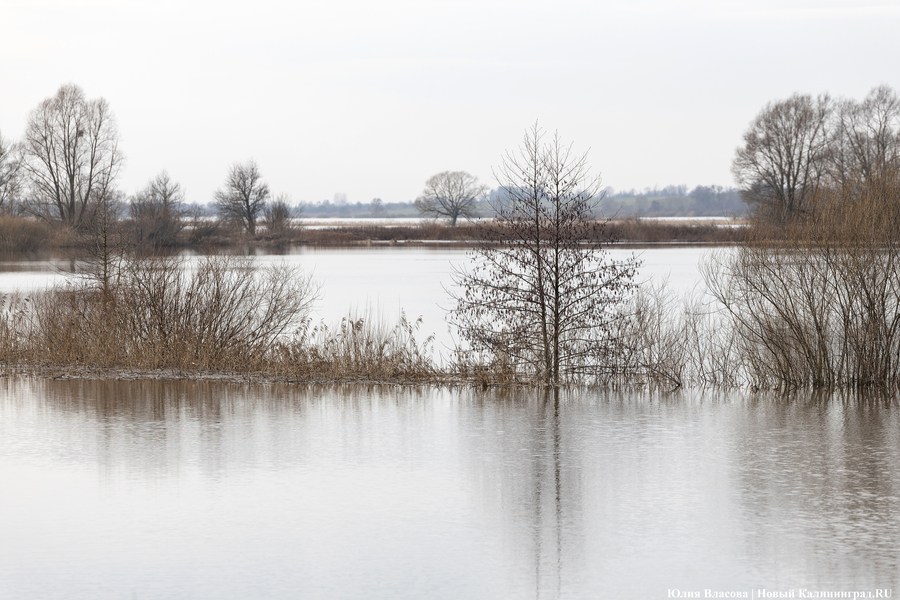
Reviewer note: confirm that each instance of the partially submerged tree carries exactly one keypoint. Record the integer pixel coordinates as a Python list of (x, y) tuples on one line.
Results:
[(71, 155), (451, 194), (244, 195), (541, 295)]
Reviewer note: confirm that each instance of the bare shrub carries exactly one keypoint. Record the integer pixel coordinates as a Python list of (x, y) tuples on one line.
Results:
[(821, 309), (226, 314), (157, 213), (277, 217)]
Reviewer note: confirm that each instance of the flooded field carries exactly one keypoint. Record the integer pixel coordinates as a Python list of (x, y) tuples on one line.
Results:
[(384, 281), (174, 489)]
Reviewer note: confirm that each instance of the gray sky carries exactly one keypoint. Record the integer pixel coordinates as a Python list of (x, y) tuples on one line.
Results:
[(372, 98)]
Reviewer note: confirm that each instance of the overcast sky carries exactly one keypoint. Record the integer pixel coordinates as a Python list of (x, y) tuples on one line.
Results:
[(372, 98)]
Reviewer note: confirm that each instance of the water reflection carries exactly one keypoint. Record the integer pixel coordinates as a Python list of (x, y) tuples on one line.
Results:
[(175, 488), (819, 478)]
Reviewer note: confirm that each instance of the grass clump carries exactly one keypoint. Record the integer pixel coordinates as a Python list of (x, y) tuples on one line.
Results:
[(365, 348)]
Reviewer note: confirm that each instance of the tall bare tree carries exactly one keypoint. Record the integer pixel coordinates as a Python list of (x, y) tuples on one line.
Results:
[(541, 294), (451, 194), (244, 195), (867, 136), (783, 161), (71, 154), (10, 180)]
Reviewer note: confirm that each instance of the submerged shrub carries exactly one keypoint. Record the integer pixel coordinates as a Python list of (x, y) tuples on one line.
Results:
[(822, 308), (226, 313)]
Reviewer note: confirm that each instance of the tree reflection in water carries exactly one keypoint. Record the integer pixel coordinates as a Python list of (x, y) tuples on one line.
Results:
[(368, 491)]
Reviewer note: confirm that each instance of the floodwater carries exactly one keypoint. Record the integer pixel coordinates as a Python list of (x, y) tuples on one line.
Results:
[(385, 281), (179, 489), (204, 489)]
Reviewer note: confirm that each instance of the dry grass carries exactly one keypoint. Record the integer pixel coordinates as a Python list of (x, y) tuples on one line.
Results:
[(225, 315), (24, 234), (359, 348), (643, 231), (20, 235)]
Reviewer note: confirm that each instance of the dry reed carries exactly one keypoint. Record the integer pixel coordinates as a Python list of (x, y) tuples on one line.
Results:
[(224, 315)]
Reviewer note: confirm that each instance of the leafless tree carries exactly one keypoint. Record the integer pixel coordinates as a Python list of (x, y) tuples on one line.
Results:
[(244, 195), (783, 161), (157, 212), (540, 294), (867, 136), (71, 154), (376, 207), (277, 214), (9, 176), (451, 194), (100, 242)]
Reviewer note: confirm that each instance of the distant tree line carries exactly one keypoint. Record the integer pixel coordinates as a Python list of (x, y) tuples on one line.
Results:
[(676, 201), (65, 172)]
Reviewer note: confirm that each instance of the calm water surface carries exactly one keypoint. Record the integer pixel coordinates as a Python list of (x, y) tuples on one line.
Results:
[(173, 489), (385, 281)]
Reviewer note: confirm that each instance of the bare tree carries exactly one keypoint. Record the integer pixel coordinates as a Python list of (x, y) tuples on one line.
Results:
[(277, 214), (9, 176), (451, 194), (71, 154), (783, 160), (157, 212), (541, 294), (244, 195), (867, 136), (100, 242), (376, 207)]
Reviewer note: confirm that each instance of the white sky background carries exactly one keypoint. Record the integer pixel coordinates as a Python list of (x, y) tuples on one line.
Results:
[(372, 98)]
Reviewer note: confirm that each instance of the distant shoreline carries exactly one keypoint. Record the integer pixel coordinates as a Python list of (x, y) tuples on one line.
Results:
[(22, 235)]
